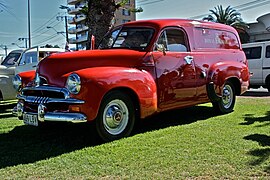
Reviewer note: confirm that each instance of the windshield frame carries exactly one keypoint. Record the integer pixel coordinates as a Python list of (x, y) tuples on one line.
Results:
[(128, 29)]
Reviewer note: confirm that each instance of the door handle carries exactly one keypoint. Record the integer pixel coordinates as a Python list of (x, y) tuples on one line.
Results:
[(34, 66), (188, 59)]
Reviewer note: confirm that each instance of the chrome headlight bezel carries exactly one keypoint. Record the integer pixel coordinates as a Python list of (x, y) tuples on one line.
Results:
[(73, 83), (37, 80), (17, 82)]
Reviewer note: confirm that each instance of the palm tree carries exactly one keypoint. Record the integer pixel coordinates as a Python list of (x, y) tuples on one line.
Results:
[(99, 15), (231, 17)]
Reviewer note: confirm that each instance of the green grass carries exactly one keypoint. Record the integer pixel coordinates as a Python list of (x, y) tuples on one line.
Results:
[(192, 143)]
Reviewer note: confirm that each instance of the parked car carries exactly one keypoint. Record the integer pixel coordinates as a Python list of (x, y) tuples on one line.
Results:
[(258, 56), (6, 75), (140, 68), (32, 56)]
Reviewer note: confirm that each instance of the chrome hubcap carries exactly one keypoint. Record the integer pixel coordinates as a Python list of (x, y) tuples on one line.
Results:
[(115, 117), (227, 96)]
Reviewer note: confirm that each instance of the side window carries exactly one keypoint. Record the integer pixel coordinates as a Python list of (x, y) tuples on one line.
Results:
[(253, 52), (267, 52), (28, 58), (173, 40)]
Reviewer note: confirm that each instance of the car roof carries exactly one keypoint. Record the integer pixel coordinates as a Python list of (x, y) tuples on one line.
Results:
[(17, 51), (161, 23), (45, 50)]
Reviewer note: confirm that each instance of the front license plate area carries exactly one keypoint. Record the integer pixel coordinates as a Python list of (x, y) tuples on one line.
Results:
[(30, 119)]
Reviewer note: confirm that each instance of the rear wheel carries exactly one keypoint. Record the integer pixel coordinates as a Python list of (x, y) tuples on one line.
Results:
[(227, 101), (116, 116)]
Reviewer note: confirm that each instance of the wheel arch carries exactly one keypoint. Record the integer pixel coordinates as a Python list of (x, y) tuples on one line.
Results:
[(134, 97), (236, 83)]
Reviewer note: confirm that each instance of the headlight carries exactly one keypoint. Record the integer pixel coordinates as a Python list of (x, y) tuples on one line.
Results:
[(73, 83), (17, 82), (37, 80)]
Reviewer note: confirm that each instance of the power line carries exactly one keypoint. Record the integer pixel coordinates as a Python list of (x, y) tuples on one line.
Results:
[(242, 7), (45, 30), (47, 23), (47, 39), (148, 3)]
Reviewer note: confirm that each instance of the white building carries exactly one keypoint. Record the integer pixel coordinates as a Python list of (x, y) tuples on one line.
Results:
[(260, 30)]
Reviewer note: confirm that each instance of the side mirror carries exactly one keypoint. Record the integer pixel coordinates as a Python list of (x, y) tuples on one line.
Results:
[(161, 48), (92, 42)]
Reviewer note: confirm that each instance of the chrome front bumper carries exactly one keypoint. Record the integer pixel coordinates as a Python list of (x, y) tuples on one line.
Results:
[(42, 103)]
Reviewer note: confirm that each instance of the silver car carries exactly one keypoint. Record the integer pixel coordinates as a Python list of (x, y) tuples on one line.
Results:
[(7, 69)]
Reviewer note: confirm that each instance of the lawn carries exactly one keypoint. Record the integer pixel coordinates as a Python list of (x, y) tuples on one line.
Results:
[(192, 143)]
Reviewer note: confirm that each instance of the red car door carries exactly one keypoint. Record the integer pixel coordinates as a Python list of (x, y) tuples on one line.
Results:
[(175, 70)]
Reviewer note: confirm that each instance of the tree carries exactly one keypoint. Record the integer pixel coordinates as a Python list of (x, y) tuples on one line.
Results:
[(99, 15), (231, 17)]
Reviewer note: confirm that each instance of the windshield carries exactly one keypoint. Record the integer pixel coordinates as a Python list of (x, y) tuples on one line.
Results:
[(11, 59), (127, 37)]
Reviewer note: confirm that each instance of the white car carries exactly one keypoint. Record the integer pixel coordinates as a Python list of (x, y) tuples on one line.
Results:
[(32, 56), (7, 68)]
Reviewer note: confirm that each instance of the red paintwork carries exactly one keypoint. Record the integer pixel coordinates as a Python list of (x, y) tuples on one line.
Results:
[(27, 77), (159, 81)]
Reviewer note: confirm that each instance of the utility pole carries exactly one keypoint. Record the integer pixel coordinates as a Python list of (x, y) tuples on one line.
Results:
[(66, 23), (29, 25), (5, 48), (25, 41)]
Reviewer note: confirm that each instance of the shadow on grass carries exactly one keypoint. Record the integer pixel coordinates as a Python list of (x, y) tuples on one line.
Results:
[(250, 119), (6, 109), (26, 144), (261, 154)]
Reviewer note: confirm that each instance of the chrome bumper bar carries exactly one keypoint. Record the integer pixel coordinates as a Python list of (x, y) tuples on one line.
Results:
[(51, 116)]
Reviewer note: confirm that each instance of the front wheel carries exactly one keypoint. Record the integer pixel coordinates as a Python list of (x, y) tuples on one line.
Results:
[(226, 103), (116, 116)]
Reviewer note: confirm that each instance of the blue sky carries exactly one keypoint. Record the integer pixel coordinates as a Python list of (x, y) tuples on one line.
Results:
[(14, 21)]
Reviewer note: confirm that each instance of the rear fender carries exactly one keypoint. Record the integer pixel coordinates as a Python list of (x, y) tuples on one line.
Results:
[(220, 72), (97, 82)]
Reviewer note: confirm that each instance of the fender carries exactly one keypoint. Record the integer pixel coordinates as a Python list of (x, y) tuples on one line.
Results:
[(97, 82), (27, 77), (220, 72)]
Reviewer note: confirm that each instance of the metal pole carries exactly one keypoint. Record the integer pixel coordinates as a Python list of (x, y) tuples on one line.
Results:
[(66, 29), (6, 50), (26, 43), (29, 25)]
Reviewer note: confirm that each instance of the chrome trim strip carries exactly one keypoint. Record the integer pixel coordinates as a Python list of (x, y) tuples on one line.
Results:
[(61, 117), (64, 117), (46, 100), (47, 88)]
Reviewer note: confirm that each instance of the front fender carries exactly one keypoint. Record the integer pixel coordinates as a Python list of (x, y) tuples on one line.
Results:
[(97, 82), (220, 72), (27, 77)]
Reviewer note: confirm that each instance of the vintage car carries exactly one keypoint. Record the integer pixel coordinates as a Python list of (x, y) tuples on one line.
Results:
[(7, 67), (32, 56), (139, 69)]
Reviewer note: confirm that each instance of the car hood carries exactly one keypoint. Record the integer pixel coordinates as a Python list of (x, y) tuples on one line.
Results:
[(57, 67), (4, 70)]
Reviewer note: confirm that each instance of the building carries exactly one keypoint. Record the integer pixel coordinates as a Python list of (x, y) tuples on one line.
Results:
[(76, 21), (260, 30)]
